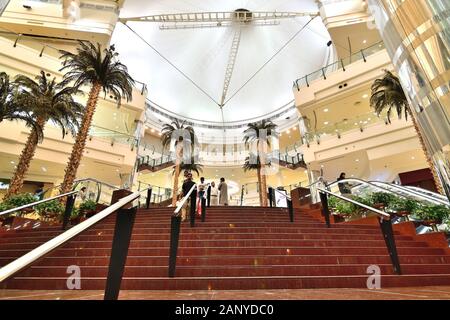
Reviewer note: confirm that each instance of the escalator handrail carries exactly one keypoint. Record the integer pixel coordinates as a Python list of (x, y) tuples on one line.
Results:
[(410, 193), (380, 213)]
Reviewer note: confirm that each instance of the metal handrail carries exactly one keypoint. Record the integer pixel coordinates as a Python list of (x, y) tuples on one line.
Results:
[(410, 193), (428, 192), (380, 213), (441, 199), (27, 259), (284, 195), (183, 201), (30, 205)]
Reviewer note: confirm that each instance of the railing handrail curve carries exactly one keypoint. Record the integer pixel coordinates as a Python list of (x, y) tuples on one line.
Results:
[(183, 201), (26, 206), (35, 254), (380, 213)]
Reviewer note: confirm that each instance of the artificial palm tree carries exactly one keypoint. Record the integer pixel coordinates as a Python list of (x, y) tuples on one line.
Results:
[(260, 133), (10, 110), (100, 69), (46, 101), (177, 132), (252, 162), (388, 94)]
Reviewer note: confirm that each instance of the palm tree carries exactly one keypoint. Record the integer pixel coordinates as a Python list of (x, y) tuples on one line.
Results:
[(47, 101), (99, 69), (10, 110), (259, 133), (252, 162), (177, 131), (388, 94)]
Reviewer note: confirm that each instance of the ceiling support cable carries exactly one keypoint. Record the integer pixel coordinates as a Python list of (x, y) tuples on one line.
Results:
[(174, 66), (271, 58)]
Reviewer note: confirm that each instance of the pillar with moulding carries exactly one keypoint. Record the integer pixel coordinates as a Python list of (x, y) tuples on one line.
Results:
[(416, 37)]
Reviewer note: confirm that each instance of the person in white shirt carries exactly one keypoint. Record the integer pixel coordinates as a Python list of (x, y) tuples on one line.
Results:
[(214, 194)]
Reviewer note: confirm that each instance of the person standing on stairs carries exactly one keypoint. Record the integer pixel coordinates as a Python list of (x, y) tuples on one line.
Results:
[(214, 194), (223, 188), (186, 187), (201, 193)]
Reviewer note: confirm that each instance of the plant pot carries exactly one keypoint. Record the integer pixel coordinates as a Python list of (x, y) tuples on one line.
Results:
[(89, 213), (75, 221), (430, 223), (379, 206), (402, 214)]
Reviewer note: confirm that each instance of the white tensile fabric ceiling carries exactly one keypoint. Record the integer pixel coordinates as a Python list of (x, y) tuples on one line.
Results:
[(202, 55)]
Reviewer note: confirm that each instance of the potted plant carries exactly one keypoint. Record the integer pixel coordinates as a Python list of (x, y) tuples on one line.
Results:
[(345, 209), (381, 200), (432, 215), (87, 208), (76, 216), (14, 202), (402, 207), (51, 210)]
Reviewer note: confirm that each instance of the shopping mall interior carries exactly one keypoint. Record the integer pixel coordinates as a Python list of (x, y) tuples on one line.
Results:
[(321, 129)]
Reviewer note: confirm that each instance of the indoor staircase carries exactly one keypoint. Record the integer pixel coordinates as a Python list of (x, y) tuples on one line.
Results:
[(236, 248)]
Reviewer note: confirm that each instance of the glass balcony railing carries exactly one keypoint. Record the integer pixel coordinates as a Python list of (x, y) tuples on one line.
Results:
[(341, 64), (338, 129), (113, 137)]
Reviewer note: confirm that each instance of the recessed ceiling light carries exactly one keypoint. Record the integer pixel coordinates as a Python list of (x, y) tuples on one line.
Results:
[(365, 96), (288, 132), (326, 122), (413, 158), (12, 162), (326, 110), (295, 128), (365, 41), (357, 160), (44, 169)]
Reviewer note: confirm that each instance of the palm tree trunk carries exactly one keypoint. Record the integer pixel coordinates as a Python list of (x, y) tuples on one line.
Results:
[(263, 191), (436, 179), (25, 159), (179, 156), (258, 172), (80, 141), (175, 184)]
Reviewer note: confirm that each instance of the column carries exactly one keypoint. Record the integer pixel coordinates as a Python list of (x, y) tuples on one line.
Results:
[(416, 36)]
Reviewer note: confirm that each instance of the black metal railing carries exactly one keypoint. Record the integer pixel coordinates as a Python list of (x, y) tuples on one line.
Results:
[(126, 213), (175, 225), (273, 203), (70, 201), (384, 221)]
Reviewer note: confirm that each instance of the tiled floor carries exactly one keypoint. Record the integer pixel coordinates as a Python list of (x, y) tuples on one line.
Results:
[(419, 293)]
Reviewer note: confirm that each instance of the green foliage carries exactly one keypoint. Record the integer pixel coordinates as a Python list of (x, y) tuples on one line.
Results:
[(17, 201), (382, 197), (345, 207), (403, 204), (50, 208), (88, 205), (438, 213), (333, 202)]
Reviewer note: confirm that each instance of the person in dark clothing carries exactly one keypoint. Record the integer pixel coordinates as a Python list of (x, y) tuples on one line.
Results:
[(185, 188), (344, 187)]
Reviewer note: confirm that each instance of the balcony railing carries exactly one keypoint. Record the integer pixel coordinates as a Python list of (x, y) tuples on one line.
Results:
[(112, 136), (341, 64)]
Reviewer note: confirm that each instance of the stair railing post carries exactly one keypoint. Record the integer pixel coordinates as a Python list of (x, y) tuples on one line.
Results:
[(291, 210), (68, 210), (325, 208), (203, 204), (119, 252), (149, 196), (208, 195), (193, 207), (388, 235), (271, 197), (175, 224)]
